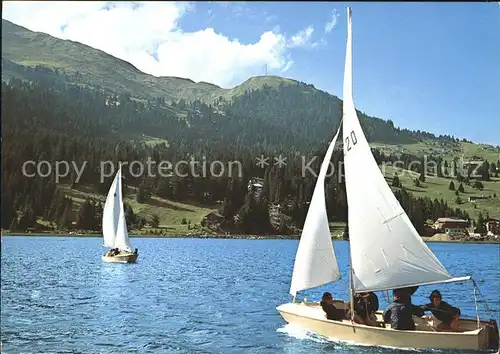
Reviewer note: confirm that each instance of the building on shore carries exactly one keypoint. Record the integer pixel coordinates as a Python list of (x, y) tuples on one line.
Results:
[(454, 227)]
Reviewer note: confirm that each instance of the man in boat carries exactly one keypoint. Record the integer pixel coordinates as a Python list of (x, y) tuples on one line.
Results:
[(406, 294), (332, 313), (365, 306), (444, 312), (400, 313)]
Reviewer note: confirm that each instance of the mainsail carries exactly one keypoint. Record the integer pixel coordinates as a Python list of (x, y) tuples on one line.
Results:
[(122, 241), (315, 261), (114, 227), (386, 250)]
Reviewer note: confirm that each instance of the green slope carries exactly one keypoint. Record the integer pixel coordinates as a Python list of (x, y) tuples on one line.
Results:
[(437, 188)]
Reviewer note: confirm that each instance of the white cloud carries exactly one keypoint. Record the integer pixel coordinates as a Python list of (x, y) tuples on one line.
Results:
[(302, 38), (135, 31), (329, 26)]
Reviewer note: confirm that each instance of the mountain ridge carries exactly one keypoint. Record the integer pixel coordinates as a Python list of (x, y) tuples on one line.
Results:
[(98, 69)]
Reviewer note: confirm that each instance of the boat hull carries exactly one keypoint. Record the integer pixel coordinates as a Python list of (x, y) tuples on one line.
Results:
[(121, 258), (311, 317)]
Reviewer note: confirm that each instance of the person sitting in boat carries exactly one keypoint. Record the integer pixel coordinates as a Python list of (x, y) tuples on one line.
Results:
[(365, 306), (443, 311), (405, 294), (400, 313), (332, 313)]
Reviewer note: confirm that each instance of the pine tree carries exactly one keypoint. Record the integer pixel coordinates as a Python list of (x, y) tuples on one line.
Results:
[(66, 220), (451, 186), (85, 219), (142, 195), (395, 181), (461, 188), (14, 225), (163, 189), (484, 170), (422, 176), (9, 214), (480, 224), (478, 185), (439, 168), (254, 215), (27, 219), (155, 220)]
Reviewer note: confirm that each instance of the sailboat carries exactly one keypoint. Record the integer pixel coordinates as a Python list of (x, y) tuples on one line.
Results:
[(385, 252), (114, 226)]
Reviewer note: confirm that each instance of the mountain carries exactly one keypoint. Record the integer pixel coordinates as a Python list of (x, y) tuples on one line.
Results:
[(95, 68), (279, 102)]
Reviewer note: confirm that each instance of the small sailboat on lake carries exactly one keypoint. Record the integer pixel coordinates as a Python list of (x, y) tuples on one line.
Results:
[(385, 252), (114, 226)]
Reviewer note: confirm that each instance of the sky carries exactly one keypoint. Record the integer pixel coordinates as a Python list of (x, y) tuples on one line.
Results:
[(425, 65)]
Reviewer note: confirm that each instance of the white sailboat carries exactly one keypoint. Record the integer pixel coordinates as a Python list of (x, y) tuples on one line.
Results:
[(386, 252), (114, 226)]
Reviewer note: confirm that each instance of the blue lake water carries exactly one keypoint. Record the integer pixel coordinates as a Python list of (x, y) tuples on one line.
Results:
[(187, 295)]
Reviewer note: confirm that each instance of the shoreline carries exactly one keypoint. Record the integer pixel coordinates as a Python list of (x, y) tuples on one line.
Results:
[(202, 235), (222, 236)]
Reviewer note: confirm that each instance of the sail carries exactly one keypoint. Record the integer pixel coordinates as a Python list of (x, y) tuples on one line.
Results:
[(386, 250), (111, 212), (122, 241), (315, 261)]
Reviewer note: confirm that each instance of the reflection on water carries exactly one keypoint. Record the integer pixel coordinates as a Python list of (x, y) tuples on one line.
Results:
[(111, 282)]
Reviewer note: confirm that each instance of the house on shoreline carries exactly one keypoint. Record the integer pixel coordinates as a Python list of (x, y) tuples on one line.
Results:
[(455, 227)]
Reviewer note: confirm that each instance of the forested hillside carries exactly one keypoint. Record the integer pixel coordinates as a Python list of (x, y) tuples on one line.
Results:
[(55, 121), (270, 102)]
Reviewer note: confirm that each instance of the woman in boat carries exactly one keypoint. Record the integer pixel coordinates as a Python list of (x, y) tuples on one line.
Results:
[(443, 311), (365, 306), (332, 313)]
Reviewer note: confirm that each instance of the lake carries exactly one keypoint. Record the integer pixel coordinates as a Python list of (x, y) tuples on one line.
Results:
[(187, 295)]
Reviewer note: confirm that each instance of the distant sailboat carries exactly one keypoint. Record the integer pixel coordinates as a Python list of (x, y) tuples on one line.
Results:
[(114, 226), (386, 252)]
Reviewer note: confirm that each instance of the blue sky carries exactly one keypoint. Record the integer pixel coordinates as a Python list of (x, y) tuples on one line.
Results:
[(427, 66)]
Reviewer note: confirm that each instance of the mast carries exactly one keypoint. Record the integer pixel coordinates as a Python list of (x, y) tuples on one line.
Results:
[(351, 285), (348, 60)]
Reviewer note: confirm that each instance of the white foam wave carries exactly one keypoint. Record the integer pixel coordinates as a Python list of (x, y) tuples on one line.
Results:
[(298, 332)]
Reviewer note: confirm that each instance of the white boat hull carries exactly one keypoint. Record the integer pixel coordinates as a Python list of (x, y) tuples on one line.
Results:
[(121, 258), (311, 317)]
